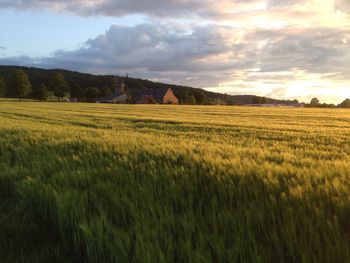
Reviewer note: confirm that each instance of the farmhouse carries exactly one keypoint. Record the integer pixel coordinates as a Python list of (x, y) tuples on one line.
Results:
[(157, 95), (119, 96)]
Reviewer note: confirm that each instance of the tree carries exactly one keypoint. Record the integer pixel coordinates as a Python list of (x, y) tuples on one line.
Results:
[(77, 92), (2, 87), (256, 100), (59, 85), (191, 100), (345, 104), (200, 96), (314, 102), (183, 95), (20, 84), (218, 101), (91, 94), (105, 92), (41, 93)]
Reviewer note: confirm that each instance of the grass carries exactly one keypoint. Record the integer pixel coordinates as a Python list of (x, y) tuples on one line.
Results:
[(139, 183)]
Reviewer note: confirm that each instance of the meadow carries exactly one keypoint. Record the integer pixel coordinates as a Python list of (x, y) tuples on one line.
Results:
[(158, 183)]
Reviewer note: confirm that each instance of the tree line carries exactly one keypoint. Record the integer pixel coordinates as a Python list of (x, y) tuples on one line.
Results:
[(315, 103), (105, 85), (185, 94), (19, 86)]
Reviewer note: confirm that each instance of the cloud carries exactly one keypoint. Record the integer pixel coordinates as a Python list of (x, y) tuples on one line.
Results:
[(176, 8), (152, 48), (111, 7), (3, 48), (147, 50)]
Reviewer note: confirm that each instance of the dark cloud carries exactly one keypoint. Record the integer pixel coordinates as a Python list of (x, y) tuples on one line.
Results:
[(149, 47), (160, 8), (111, 7)]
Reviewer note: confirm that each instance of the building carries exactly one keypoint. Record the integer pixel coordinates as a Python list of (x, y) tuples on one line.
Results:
[(119, 96), (157, 96)]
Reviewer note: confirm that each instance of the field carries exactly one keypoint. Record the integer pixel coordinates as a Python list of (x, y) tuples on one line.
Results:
[(138, 183)]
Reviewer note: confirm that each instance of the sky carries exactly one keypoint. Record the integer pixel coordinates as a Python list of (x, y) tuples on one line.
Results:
[(284, 49)]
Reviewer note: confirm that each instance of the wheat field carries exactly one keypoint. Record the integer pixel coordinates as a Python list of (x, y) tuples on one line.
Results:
[(158, 183)]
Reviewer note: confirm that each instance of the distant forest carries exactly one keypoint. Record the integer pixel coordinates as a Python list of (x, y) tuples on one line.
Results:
[(186, 95)]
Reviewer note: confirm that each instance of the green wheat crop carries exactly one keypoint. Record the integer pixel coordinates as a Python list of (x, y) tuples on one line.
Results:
[(152, 183)]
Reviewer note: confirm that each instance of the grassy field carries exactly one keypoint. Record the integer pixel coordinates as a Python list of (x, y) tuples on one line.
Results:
[(134, 183)]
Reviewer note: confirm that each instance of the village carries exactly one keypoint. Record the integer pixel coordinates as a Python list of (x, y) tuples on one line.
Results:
[(162, 95)]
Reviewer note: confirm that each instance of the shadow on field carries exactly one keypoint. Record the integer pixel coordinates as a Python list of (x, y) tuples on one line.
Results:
[(75, 202)]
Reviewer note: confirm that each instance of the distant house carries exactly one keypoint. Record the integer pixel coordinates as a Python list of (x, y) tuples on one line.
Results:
[(157, 95), (119, 96)]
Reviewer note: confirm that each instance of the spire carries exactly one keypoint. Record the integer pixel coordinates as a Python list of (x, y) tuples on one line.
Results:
[(120, 87)]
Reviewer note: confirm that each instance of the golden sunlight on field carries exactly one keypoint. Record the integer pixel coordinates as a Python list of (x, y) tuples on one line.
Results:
[(151, 183)]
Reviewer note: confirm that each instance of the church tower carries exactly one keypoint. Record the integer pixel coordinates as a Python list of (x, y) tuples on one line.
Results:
[(120, 87)]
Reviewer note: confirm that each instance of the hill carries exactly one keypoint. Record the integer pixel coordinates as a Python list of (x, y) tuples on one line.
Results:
[(38, 76)]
